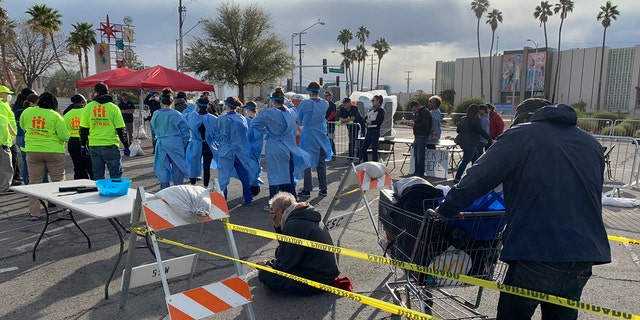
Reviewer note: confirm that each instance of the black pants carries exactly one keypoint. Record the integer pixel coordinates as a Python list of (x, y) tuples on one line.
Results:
[(81, 166), (280, 284)]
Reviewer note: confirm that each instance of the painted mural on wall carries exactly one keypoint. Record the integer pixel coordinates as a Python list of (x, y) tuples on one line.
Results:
[(511, 71), (536, 71)]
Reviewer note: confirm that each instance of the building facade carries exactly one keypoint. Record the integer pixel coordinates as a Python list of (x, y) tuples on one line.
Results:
[(519, 74)]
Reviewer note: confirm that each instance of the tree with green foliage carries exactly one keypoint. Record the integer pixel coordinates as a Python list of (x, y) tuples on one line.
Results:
[(564, 7), (448, 95), (380, 48), (61, 85), (479, 7), (239, 48), (46, 21), (344, 36), (362, 35), (7, 35), (607, 13), (493, 18), (83, 37)]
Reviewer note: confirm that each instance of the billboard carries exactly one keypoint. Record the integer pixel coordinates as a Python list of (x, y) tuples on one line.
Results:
[(511, 71), (536, 71)]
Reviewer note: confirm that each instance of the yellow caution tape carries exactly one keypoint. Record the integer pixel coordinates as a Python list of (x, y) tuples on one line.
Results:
[(378, 304), (535, 295), (624, 240)]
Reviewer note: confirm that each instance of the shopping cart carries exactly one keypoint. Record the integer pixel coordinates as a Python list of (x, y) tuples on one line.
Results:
[(468, 245)]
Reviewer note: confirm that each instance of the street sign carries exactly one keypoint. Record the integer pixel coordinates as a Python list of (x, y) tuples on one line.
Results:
[(336, 70)]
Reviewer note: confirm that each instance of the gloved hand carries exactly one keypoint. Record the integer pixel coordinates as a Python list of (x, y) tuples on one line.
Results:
[(127, 152), (339, 123), (84, 152), (351, 122)]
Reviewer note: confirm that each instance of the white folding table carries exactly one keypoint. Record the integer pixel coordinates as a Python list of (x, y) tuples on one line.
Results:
[(90, 204)]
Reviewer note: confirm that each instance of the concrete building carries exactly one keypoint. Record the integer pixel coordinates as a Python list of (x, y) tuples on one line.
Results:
[(519, 74)]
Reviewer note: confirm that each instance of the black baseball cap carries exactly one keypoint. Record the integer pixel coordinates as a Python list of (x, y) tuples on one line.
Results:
[(527, 107), (346, 100)]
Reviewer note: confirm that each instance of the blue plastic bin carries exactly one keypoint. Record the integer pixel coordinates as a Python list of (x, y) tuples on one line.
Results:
[(113, 187)]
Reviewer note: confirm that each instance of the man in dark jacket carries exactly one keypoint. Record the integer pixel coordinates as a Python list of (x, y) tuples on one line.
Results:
[(350, 115), (552, 174), (374, 120), (299, 220), (422, 124), (330, 115)]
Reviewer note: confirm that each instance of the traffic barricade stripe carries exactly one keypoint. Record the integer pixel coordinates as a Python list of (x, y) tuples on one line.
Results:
[(207, 300), (368, 183), (239, 286), (177, 314), (154, 220)]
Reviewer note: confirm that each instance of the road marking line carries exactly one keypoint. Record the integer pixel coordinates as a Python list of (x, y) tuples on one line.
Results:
[(8, 269)]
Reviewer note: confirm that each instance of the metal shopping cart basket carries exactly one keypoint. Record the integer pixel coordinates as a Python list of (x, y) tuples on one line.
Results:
[(467, 245)]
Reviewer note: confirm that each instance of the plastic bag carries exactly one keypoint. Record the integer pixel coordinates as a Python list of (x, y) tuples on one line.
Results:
[(135, 149), (451, 260), (191, 203), (374, 170)]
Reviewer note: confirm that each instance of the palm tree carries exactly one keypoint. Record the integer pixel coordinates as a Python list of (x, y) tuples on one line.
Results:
[(542, 13), (380, 48), (361, 55), (564, 7), (46, 21), (607, 13), (7, 35), (73, 46), (86, 37), (479, 7), (493, 18), (344, 36), (362, 35)]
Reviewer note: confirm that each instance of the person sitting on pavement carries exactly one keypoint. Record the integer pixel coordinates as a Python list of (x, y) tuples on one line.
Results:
[(303, 221)]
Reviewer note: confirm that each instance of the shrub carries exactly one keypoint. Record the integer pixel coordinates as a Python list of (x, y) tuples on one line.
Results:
[(605, 115), (580, 106), (462, 108), (623, 129), (606, 130)]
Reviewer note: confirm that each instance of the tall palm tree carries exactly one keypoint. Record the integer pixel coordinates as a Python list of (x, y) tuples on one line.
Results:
[(7, 35), (607, 13), (73, 46), (380, 48), (564, 7), (86, 37), (493, 18), (361, 55), (479, 7), (46, 20), (362, 35), (344, 36), (542, 13)]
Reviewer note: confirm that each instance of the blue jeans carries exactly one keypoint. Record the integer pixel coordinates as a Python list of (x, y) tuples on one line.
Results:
[(370, 139), (469, 154), (109, 156), (419, 149), (563, 279)]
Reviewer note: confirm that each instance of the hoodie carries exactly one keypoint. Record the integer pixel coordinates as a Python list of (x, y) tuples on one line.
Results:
[(552, 174), (179, 104), (313, 264)]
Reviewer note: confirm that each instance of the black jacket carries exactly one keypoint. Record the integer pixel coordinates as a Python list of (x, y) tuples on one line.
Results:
[(552, 173), (469, 132), (422, 122), (306, 262)]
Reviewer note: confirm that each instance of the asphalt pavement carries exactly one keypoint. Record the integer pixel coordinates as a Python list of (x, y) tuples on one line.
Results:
[(67, 279)]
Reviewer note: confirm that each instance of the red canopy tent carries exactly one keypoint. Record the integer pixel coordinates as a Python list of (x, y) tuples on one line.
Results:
[(159, 77), (104, 76)]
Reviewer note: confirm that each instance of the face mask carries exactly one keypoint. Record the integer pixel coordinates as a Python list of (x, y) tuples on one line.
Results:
[(9, 98)]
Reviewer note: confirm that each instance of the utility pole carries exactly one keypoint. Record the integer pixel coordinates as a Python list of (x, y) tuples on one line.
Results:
[(408, 81), (181, 12)]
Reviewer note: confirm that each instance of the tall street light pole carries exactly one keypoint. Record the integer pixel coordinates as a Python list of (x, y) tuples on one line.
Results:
[(299, 34), (179, 55), (534, 73)]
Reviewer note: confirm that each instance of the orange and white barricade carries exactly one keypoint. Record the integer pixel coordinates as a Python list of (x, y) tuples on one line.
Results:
[(368, 176), (196, 303)]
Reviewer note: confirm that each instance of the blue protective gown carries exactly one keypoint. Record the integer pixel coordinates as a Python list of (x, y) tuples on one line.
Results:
[(313, 137), (233, 144), (172, 136), (189, 109), (194, 149), (279, 126), (256, 140)]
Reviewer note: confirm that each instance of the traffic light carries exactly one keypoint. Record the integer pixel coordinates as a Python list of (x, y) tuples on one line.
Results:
[(324, 66), (321, 83), (338, 81)]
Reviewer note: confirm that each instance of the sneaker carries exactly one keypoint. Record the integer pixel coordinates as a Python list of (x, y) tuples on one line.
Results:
[(266, 208), (34, 218), (64, 214), (304, 194), (7, 192), (16, 183), (322, 193), (247, 204)]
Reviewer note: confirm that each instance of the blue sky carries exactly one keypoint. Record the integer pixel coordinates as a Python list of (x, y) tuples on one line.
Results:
[(419, 32)]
